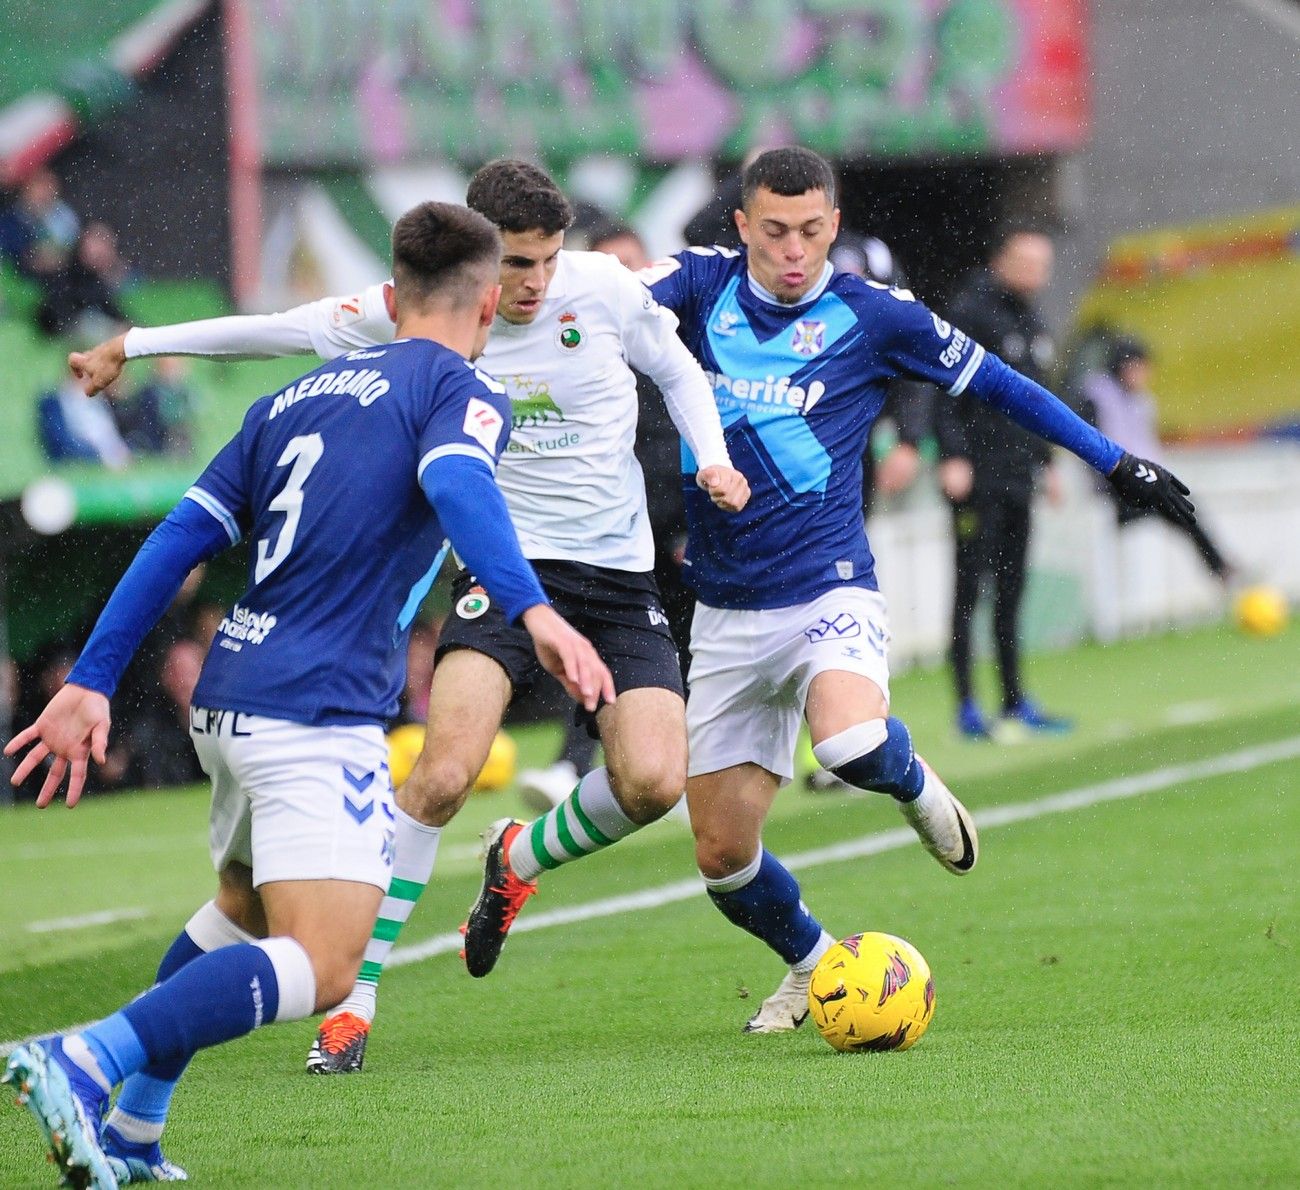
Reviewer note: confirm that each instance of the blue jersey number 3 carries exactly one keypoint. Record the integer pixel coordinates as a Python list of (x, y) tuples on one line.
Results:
[(304, 453)]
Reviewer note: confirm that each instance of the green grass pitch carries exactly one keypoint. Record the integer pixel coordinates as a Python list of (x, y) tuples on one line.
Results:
[(1118, 982)]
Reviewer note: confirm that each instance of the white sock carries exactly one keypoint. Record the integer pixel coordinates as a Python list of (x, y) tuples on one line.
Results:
[(806, 964), (294, 977), (588, 820), (416, 850)]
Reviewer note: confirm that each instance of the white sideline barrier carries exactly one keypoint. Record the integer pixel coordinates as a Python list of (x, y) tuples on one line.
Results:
[(1088, 577)]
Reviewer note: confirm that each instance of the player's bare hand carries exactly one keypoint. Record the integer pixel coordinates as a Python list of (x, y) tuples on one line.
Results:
[(898, 470), (72, 729), (727, 488), (569, 657), (956, 478), (97, 368)]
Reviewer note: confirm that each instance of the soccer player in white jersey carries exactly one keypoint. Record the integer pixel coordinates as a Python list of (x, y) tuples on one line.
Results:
[(289, 708), (570, 328)]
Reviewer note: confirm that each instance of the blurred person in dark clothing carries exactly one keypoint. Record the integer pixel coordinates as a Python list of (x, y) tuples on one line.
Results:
[(907, 403), (39, 230), (988, 470), (81, 296), (158, 733), (158, 417), (1119, 403), (715, 222)]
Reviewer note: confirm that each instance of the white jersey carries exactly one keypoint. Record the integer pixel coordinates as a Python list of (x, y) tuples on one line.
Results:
[(571, 481)]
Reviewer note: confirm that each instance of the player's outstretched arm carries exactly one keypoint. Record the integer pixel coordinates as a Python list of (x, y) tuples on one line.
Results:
[(727, 488), (1145, 484), (328, 328), (568, 656), (72, 728)]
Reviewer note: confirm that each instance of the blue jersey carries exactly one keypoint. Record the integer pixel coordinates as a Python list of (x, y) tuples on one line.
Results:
[(798, 387), (325, 479)]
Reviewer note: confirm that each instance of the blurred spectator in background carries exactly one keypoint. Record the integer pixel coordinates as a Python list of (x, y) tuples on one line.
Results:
[(893, 458), (80, 297), (76, 428), (715, 222), (158, 417), (157, 734), (1119, 403), (207, 619), (988, 470), (39, 231)]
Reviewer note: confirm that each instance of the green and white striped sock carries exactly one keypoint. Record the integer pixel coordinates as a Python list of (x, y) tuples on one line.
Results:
[(416, 848), (588, 820)]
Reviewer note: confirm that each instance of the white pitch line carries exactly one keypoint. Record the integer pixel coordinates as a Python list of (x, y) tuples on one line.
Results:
[(1121, 788), (1057, 803), (104, 917)]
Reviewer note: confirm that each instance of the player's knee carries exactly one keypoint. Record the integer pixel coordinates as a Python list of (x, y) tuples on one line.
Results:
[(336, 975), (648, 788), (718, 856), (874, 755), (436, 788)]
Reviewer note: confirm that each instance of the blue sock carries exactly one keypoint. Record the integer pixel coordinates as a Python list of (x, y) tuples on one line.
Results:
[(764, 899), (180, 952), (213, 998), (864, 759), (146, 1096)]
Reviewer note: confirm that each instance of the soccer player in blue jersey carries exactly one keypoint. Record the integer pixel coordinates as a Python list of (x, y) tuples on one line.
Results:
[(790, 622), (346, 483)]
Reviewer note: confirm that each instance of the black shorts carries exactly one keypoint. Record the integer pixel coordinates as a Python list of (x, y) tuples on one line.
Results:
[(619, 611)]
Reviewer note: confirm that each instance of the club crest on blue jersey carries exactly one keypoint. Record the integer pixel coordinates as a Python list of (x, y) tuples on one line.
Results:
[(808, 338)]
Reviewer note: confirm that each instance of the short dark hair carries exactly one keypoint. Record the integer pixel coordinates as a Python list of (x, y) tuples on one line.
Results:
[(517, 196), (1125, 350), (610, 229), (442, 250), (789, 171)]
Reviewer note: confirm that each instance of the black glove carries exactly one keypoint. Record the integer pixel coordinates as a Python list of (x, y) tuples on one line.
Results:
[(1145, 484)]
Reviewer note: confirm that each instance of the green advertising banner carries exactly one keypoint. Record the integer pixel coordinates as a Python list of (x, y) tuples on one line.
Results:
[(368, 83)]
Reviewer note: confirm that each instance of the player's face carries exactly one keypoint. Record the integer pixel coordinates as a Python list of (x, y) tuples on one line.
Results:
[(1025, 263), (528, 261), (788, 236)]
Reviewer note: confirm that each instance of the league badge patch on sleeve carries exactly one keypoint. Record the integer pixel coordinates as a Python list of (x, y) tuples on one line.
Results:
[(472, 604), (483, 424), (347, 311)]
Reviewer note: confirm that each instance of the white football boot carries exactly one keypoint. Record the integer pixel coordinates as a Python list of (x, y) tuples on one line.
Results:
[(944, 825), (786, 1008), (544, 789)]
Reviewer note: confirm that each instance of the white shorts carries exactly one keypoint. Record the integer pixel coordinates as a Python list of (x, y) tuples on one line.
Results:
[(750, 673), (294, 802)]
